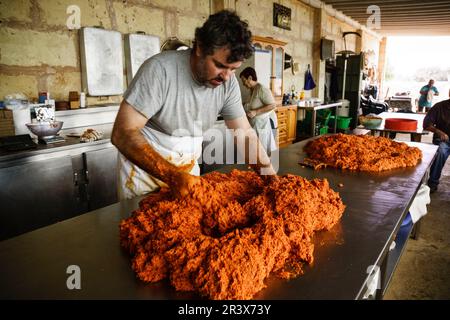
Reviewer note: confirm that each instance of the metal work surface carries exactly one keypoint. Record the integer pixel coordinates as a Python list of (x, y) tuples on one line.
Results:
[(49, 151), (34, 264)]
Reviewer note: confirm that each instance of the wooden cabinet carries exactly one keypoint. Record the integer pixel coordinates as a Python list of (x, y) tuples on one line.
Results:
[(291, 124), (286, 115), (268, 62), (287, 125), (275, 49)]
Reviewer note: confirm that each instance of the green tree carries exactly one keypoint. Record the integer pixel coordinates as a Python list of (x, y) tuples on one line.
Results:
[(389, 73), (437, 73)]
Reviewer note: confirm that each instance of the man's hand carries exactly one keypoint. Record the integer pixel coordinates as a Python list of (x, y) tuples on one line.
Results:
[(181, 183), (267, 173), (442, 135)]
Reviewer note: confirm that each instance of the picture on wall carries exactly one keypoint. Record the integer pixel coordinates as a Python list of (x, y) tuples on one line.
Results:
[(281, 16)]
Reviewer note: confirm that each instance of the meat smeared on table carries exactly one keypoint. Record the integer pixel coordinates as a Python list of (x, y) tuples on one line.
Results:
[(360, 153), (230, 233)]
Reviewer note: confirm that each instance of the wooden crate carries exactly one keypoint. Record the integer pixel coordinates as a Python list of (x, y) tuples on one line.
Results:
[(6, 123)]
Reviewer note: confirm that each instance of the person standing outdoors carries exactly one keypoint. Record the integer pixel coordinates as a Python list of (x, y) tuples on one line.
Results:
[(426, 96)]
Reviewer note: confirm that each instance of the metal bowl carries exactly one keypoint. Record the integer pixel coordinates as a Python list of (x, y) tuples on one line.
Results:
[(45, 129)]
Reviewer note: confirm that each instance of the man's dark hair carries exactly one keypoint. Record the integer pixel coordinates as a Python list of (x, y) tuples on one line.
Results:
[(225, 29), (247, 72)]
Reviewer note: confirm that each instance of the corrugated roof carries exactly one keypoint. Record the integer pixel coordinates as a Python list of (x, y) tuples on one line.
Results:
[(400, 17)]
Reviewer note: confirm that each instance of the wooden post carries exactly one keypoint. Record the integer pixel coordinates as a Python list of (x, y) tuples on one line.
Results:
[(318, 66), (382, 67)]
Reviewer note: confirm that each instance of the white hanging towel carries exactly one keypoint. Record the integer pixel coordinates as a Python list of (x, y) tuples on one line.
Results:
[(418, 207), (133, 181)]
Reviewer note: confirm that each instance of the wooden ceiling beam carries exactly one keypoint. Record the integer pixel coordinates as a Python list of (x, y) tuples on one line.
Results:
[(404, 11), (380, 3)]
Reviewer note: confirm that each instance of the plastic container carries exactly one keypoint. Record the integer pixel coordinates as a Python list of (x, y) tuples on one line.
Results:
[(370, 122), (344, 109), (323, 130), (400, 124), (302, 95), (82, 100), (343, 122), (322, 117), (21, 114)]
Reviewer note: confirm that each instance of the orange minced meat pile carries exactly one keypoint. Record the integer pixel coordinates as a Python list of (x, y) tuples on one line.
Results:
[(230, 233), (361, 152)]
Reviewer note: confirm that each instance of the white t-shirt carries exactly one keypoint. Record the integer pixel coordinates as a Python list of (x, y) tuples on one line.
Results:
[(165, 91)]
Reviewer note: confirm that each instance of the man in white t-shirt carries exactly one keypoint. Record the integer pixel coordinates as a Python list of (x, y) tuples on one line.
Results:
[(173, 99)]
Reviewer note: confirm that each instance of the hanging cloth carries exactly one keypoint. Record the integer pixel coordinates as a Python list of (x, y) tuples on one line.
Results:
[(309, 81)]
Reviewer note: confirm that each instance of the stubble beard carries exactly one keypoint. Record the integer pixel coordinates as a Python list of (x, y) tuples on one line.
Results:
[(201, 74)]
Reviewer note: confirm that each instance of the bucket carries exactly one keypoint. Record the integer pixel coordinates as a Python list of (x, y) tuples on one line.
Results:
[(343, 122), (322, 117), (343, 110)]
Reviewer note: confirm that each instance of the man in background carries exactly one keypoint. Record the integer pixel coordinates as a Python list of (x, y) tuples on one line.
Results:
[(426, 96), (437, 121)]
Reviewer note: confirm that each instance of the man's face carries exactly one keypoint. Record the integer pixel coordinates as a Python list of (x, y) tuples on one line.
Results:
[(431, 83), (213, 70)]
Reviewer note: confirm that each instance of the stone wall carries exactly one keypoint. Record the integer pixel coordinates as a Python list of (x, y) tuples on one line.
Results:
[(40, 53)]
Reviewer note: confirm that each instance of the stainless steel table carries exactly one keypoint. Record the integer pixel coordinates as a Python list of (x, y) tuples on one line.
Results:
[(314, 113), (34, 265)]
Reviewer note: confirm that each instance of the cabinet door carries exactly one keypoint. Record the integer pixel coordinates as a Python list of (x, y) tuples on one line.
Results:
[(278, 71), (276, 65), (282, 126), (291, 124), (101, 177), (36, 194), (263, 60)]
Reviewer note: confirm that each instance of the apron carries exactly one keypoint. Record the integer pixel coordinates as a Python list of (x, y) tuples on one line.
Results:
[(179, 151), (261, 124)]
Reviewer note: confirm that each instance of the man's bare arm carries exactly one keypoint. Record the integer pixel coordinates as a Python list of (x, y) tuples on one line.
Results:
[(252, 144), (441, 134), (129, 140)]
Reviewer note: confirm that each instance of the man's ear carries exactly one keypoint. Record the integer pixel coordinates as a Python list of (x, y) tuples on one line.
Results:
[(198, 50)]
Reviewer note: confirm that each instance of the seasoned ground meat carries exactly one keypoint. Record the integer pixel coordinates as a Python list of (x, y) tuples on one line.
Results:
[(230, 233), (361, 153)]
